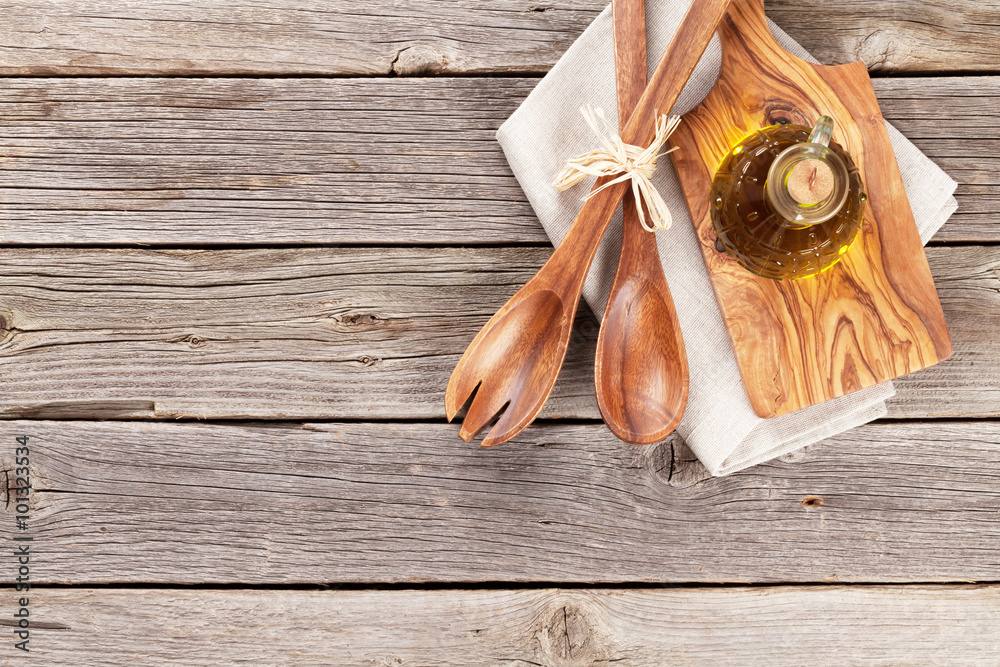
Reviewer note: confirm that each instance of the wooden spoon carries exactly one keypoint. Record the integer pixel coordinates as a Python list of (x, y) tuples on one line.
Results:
[(641, 372), (515, 358)]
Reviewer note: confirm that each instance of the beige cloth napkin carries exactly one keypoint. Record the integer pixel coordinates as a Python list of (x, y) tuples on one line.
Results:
[(719, 425)]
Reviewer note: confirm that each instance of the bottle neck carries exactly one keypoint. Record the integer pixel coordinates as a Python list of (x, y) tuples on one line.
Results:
[(807, 184)]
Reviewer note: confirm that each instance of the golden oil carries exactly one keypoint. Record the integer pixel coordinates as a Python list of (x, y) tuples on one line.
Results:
[(764, 224)]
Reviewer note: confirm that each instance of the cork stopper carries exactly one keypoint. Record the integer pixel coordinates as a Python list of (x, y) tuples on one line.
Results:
[(810, 181)]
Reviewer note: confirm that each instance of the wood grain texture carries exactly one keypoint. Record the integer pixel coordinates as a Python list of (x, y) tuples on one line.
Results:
[(954, 625), (309, 161), (965, 106), (872, 317), (372, 333), (295, 332), (341, 333), (198, 161), (405, 37), (436, 36), (334, 502), (891, 36)]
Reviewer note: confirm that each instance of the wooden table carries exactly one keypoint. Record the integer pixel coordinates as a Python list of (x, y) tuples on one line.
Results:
[(246, 243)]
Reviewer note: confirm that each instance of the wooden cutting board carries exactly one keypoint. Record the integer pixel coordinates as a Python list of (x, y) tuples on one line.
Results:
[(875, 315)]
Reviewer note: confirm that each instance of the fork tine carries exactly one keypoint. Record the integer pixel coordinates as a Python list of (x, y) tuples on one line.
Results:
[(484, 408), (513, 420), (460, 388), (521, 411)]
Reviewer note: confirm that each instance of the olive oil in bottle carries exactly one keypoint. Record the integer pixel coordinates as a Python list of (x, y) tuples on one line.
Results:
[(787, 202)]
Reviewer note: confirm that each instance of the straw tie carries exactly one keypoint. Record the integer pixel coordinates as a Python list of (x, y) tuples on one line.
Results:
[(628, 162)]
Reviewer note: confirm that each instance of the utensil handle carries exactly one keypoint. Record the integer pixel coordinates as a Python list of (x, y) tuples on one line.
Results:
[(576, 252), (630, 55), (675, 68)]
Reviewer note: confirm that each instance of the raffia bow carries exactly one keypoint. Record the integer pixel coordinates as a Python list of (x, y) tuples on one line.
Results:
[(633, 163)]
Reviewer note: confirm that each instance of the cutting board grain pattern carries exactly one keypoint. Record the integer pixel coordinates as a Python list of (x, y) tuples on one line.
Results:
[(874, 316)]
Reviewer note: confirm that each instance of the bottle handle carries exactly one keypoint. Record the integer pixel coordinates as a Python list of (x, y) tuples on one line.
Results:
[(822, 132)]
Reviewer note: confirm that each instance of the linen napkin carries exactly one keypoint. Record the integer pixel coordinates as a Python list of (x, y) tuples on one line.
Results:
[(719, 425)]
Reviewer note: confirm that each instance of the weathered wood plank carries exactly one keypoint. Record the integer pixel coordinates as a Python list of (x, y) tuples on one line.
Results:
[(260, 334), (954, 625), (404, 37), (310, 161), (941, 116), (896, 35), (209, 161), (435, 36), (968, 282), (319, 333), (335, 502)]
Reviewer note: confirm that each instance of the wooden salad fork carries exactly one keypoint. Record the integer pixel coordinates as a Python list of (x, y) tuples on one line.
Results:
[(514, 360), (640, 371)]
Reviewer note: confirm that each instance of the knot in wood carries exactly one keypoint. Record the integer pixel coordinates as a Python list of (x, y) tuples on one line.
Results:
[(420, 60), (568, 638), (388, 661), (360, 318), (354, 322), (782, 112), (876, 50)]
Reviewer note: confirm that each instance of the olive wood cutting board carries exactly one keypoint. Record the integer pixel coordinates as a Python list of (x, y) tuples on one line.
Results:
[(872, 317)]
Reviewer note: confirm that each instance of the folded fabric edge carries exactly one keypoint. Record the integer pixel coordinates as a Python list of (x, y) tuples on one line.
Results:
[(946, 212), (863, 414)]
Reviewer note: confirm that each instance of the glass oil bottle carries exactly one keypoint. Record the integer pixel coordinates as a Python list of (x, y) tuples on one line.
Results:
[(787, 202)]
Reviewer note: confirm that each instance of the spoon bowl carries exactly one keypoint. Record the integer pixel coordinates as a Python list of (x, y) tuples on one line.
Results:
[(641, 365)]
